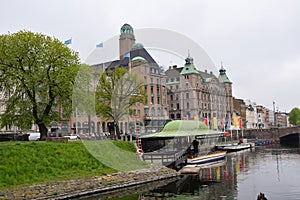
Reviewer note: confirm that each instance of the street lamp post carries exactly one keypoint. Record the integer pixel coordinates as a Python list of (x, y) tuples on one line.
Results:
[(76, 115), (274, 114)]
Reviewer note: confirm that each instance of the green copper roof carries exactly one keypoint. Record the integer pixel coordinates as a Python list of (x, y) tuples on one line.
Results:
[(126, 29), (223, 77), (182, 128), (138, 58), (137, 46), (189, 67)]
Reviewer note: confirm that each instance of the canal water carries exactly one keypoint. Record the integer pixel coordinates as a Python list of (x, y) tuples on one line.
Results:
[(273, 170)]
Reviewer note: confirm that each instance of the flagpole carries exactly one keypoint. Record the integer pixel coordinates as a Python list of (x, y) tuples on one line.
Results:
[(76, 116), (237, 133), (241, 126), (231, 127), (242, 132)]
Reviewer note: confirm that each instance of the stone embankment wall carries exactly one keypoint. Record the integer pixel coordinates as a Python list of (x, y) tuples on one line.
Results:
[(93, 185)]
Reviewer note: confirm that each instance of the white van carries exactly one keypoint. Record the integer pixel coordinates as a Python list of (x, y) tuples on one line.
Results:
[(34, 136)]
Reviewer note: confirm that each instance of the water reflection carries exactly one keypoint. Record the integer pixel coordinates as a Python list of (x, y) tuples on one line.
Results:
[(216, 181), (273, 170)]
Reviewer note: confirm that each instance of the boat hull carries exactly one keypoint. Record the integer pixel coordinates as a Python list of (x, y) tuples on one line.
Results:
[(233, 147), (206, 158)]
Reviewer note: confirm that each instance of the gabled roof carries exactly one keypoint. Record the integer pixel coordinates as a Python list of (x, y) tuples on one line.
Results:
[(140, 52), (207, 77), (174, 72)]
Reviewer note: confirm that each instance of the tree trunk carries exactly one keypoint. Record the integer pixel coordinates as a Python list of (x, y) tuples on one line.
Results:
[(89, 124), (43, 131), (116, 130)]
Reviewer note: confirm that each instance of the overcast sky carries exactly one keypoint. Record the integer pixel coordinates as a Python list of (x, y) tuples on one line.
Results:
[(257, 40)]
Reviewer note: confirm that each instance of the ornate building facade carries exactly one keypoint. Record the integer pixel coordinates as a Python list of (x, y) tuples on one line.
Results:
[(177, 93), (198, 95)]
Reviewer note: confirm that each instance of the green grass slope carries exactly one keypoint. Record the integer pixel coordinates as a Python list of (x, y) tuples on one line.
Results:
[(28, 163)]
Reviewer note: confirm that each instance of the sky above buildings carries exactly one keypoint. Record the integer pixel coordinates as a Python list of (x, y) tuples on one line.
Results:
[(257, 41)]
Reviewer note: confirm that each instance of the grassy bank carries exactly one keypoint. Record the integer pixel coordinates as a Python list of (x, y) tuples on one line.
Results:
[(28, 163)]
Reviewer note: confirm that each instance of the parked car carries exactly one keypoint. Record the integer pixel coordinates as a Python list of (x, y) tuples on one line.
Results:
[(106, 134), (34, 136), (72, 137)]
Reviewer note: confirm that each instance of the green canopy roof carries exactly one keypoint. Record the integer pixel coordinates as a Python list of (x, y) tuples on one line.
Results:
[(182, 128)]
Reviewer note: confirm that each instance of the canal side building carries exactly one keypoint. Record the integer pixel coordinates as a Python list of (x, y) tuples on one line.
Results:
[(199, 95)]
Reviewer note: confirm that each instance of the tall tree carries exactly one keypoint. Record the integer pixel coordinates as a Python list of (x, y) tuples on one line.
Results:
[(84, 93), (294, 116), (37, 73), (116, 92)]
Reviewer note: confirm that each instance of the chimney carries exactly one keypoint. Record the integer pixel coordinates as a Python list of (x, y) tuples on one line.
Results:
[(211, 72), (174, 66), (205, 71)]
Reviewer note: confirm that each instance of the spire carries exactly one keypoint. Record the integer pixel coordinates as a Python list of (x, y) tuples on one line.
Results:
[(222, 76), (189, 59), (189, 67)]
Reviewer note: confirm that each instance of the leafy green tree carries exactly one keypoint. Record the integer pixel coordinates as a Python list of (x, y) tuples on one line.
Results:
[(294, 116), (116, 92), (84, 93), (37, 73)]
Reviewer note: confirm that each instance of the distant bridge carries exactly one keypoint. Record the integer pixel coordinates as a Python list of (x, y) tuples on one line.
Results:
[(271, 133)]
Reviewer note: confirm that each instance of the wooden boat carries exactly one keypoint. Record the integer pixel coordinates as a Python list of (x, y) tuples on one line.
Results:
[(195, 169), (233, 146), (205, 158)]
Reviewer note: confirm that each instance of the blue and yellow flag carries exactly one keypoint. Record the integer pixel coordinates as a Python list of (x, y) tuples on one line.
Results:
[(69, 41), (100, 45)]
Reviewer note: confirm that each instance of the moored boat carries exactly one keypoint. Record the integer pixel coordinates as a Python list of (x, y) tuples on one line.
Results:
[(233, 146), (204, 158)]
